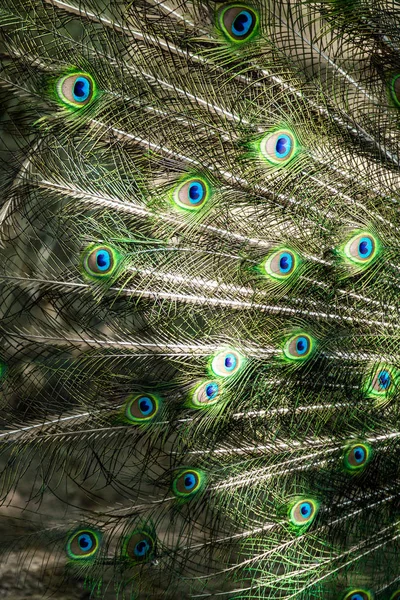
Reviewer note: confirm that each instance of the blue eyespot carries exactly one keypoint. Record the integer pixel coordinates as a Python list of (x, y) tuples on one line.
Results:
[(230, 362), (85, 542), (146, 405), (81, 89), (358, 595), (365, 247), (303, 512), (211, 390), (103, 260), (384, 380), (362, 248), (238, 22), (281, 264), (205, 394), (189, 481), (242, 24), (226, 362), (285, 262), (299, 347), (278, 147), (283, 146), (359, 454), (100, 261), (191, 194), (302, 345), (141, 548), (196, 192)]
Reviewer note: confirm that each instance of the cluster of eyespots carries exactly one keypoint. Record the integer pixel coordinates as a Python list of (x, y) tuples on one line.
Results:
[(278, 147), (188, 483), (238, 22), (192, 194), (357, 456), (100, 261), (394, 88), (83, 544), (76, 90), (227, 363), (299, 347), (382, 382), (140, 546), (205, 394), (281, 264), (358, 594), (142, 408), (303, 512), (362, 248)]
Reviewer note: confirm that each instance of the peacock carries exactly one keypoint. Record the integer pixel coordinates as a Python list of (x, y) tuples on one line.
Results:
[(199, 300)]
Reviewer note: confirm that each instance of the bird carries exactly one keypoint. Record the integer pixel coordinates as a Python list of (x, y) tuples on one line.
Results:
[(199, 300)]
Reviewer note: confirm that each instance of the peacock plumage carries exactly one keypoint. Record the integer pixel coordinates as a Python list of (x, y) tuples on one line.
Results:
[(200, 277)]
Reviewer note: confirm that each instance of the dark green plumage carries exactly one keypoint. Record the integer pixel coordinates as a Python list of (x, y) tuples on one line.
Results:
[(200, 271)]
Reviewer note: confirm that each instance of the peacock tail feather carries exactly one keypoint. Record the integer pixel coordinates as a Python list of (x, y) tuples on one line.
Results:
[(200, 277)]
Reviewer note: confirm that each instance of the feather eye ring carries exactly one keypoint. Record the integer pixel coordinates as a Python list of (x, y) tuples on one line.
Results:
[(100, 261), (142, 408), (83, 544), (76, 90), (238, 22), (303, 512), (206, 394), (139, 547), (278, 147), (226, 362)]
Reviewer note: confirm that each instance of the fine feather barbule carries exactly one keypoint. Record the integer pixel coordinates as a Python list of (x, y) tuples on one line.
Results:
[(199, 266)]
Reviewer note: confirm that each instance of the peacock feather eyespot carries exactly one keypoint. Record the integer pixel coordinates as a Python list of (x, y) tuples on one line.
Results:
[(140, 546), (76, 90), (394, 88), (362, 248), (188, 483), (238, 22), (226, 362), (100, 261), (206, 394), (281, 264), (278, 147), (303, 512), (358, 594), (299, 347), (357, 456), (142, 408), (382, 382), (83, 544), (192, 194), (395, 595)]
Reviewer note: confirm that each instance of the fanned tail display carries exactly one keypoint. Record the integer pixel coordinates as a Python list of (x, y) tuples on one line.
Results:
[(199, 301)]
